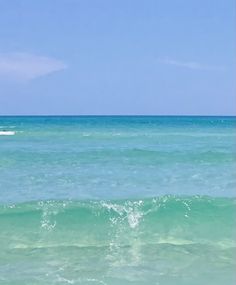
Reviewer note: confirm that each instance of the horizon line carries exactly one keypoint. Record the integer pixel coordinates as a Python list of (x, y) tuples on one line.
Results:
[(116, 115)]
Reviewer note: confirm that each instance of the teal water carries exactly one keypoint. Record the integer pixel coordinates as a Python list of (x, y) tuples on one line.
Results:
[(118, 200)]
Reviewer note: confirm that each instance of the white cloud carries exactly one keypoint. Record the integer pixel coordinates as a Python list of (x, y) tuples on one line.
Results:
[(191, 65), (25, 66)]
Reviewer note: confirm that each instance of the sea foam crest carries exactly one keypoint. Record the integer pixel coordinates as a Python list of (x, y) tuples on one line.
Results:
[(130, 211)]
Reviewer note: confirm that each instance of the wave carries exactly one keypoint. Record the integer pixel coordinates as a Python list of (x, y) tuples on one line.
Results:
[(164, 240), (163, 220), (7, 133), (137, 155)]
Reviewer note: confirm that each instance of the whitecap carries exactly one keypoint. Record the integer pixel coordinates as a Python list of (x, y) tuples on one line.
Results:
[(7, 133)]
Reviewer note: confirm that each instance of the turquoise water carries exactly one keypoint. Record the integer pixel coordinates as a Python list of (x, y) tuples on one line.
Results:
[(118, 200)]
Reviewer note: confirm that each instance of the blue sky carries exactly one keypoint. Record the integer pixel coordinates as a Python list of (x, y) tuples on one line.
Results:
[(104, 57)]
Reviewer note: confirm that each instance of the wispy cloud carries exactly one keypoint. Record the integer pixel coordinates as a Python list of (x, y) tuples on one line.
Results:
[(191, 65), (25, 66)]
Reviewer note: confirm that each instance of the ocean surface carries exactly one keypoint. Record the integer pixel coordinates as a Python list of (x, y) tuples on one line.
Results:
[(118, 200)]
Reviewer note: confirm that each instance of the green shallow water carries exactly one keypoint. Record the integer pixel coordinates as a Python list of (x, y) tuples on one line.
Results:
[(164, 240)]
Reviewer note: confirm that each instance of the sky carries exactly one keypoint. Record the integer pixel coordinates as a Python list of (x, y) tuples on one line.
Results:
[(126, 57)]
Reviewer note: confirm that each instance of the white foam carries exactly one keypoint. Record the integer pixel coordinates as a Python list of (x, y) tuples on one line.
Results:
[(7, 133)]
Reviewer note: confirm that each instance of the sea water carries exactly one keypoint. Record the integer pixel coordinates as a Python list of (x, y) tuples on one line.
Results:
[(118, 200)]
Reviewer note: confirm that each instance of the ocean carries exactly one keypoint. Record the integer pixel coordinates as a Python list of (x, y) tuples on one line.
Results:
[(118, 200)]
